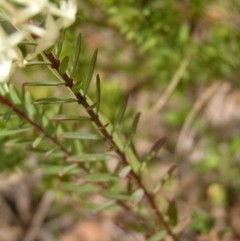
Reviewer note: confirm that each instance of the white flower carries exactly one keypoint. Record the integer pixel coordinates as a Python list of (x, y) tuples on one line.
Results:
[(47, 36), (10, 55), (19, 13), (66, 12)]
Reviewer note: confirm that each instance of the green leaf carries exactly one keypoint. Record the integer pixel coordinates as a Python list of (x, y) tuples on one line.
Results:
[(172, 213), (90, 72), (114, 195), (168, 174), (64, 65), (120, 113), (89, 157), (77, 86), (15, 97), (19, 142), (7, 115), (96, 207), (103, 127), (103, 177), (46, 153), (69, 118), (32, 63), (68, 169), (43, 83), (78, 135), (32, 110), (60, 43), (91, 107), (158, 236), (49, 153), (86, 188), (125, 171), (98, 88), (4, 89), (105, 205), (14, 131), (53, 100), (153, 152), (137, 196), (132, 130), (37, 141), (56, 170), (76, 54)]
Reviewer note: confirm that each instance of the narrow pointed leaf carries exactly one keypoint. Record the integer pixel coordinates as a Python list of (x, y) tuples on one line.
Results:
[(55, 170), (120, 113), (14, 131), (37, 141), (76, 54), (125, 171), (32, 110), (53, 101), (98, 88), (32, 63), (91, 107), (168, 174), (156, 147), (4, 89), (137, 196), (172, 213), (89, 157), (114, 195), (77, 86), (69, 118), (60, 44), (103, 127), (100, 178), (41, 152), (7, 115), (15, 97), (19, 142), (43, 83), (86, 188), (77, 135), (158, 236), (64, 65), (105, 205), (67, 169), (132, 130), (153, 152), (48, 153), (90, 72)]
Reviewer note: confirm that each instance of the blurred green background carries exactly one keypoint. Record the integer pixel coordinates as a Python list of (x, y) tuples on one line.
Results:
[(180, 62)]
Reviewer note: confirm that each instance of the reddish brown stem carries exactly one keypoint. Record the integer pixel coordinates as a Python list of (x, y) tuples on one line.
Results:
[(109, 139), (39, 129)]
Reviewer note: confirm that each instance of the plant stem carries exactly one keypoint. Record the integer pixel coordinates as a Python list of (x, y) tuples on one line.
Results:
[(109, 139), (39, 129)]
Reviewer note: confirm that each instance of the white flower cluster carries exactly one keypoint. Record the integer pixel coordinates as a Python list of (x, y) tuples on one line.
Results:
[(19, 13)]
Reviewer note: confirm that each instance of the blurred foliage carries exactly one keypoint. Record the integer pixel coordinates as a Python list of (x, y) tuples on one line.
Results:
[(201, 223), (161, 34), (165, 32)]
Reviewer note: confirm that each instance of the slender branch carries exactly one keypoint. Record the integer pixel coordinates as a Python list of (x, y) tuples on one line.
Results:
[(109, 139), (39, 129)]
